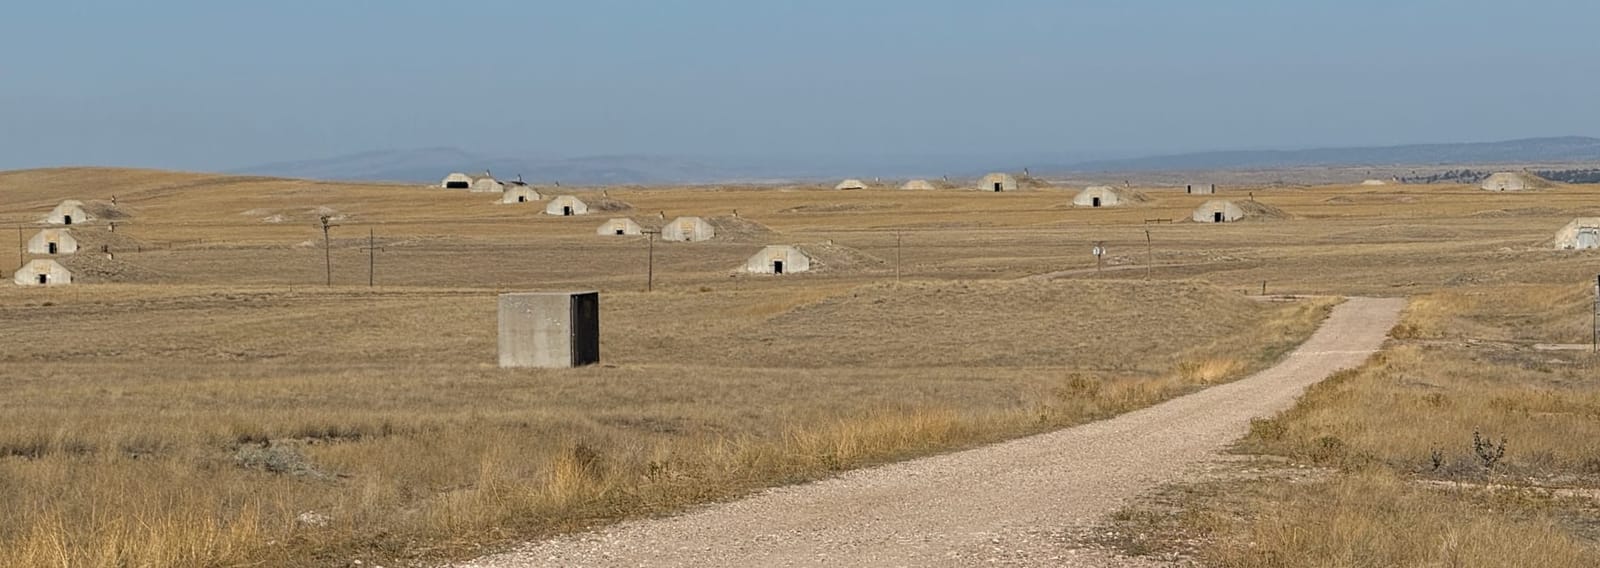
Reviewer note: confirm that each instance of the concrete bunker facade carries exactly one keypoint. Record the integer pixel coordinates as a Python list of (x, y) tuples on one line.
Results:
[(456, 180), (1512, 181), (998, 182), (778, 259), (519, 193), (42, 272), (1582, 233), (1099, 196), (619, 227), (549, 330), (1200, 189), (1218, 211), (53, 242), (688, 229), (566, 206), (69, 212)]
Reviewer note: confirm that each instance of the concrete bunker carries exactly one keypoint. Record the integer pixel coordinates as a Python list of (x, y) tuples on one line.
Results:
[(42, 272), (1218, 211), (998, 182), (619, 227), (566, 206), (551, 330), (1102, 196), (688, 229), (1513, 181), (1200, 188), (778, 259), (918, 185), (518, 193), (456, 180), (53, 242), (69, 212), (850, 184), (1582, 233)]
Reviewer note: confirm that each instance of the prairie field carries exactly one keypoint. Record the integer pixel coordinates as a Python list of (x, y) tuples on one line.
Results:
[(201, 397)]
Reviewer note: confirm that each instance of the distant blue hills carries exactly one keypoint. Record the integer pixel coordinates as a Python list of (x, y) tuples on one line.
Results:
[(431, 164)]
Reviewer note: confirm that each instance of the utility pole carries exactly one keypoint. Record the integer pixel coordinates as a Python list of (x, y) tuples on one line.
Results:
[(1150, 251), (1595, 343), (650, 262), (372, 258), (327, 249), (22, 249)]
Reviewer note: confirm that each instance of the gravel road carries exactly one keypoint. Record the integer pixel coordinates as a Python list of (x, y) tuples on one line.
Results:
[(1004, 505)]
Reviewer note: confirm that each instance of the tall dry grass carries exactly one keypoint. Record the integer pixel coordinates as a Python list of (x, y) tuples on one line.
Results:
[(169, 427)]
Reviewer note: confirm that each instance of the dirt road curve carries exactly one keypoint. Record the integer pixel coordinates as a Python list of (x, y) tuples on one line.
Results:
[(998, 505)]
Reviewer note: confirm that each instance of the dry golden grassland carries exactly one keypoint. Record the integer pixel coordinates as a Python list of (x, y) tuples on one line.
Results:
[(201, 390), (1467, 442)]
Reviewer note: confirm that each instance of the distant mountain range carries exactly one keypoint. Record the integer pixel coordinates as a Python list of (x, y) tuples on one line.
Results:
[(1529, 150), (431, 164)]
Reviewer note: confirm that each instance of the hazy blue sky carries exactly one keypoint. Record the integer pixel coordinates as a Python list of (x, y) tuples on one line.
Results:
[(213, 84)]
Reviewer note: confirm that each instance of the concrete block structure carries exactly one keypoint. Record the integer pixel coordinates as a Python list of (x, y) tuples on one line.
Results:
[(549, 330), (1218, 211), (1513, 181), (688, 230), (1098, 196), (487, 184), (778, 259), (1582, 233), (918, 184), (566, 206), (42, 272), (619, 227), (998, 182), (517, 193), (850, 184), (456, 180), (1200, 188), (53, 242), (69, 212)]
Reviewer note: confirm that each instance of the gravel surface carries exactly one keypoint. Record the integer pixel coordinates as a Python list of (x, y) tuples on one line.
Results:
[(1008, 504)]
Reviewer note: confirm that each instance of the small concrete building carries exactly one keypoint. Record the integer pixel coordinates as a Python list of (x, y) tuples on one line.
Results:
[(42, 272), (487, 184), (998, 182), (778, 259), (566, 206), (1374, 182), (918, 184), (1513, 181), (1218, 211), (1200, 188), (518, 193), (69, 212), (688, 229), (456, 180), (52, 242), (1099, 196), (619, 227), (552, 330), (851, 184), (1582, 233)]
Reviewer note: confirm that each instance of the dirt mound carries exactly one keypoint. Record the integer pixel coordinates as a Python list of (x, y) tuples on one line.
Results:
[(97, 239), (312, 215), (608, 204), (839, 207), (1026, 181), (1258, 211), (830, 256), (95, 266), (730, 228), (106, 211)]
